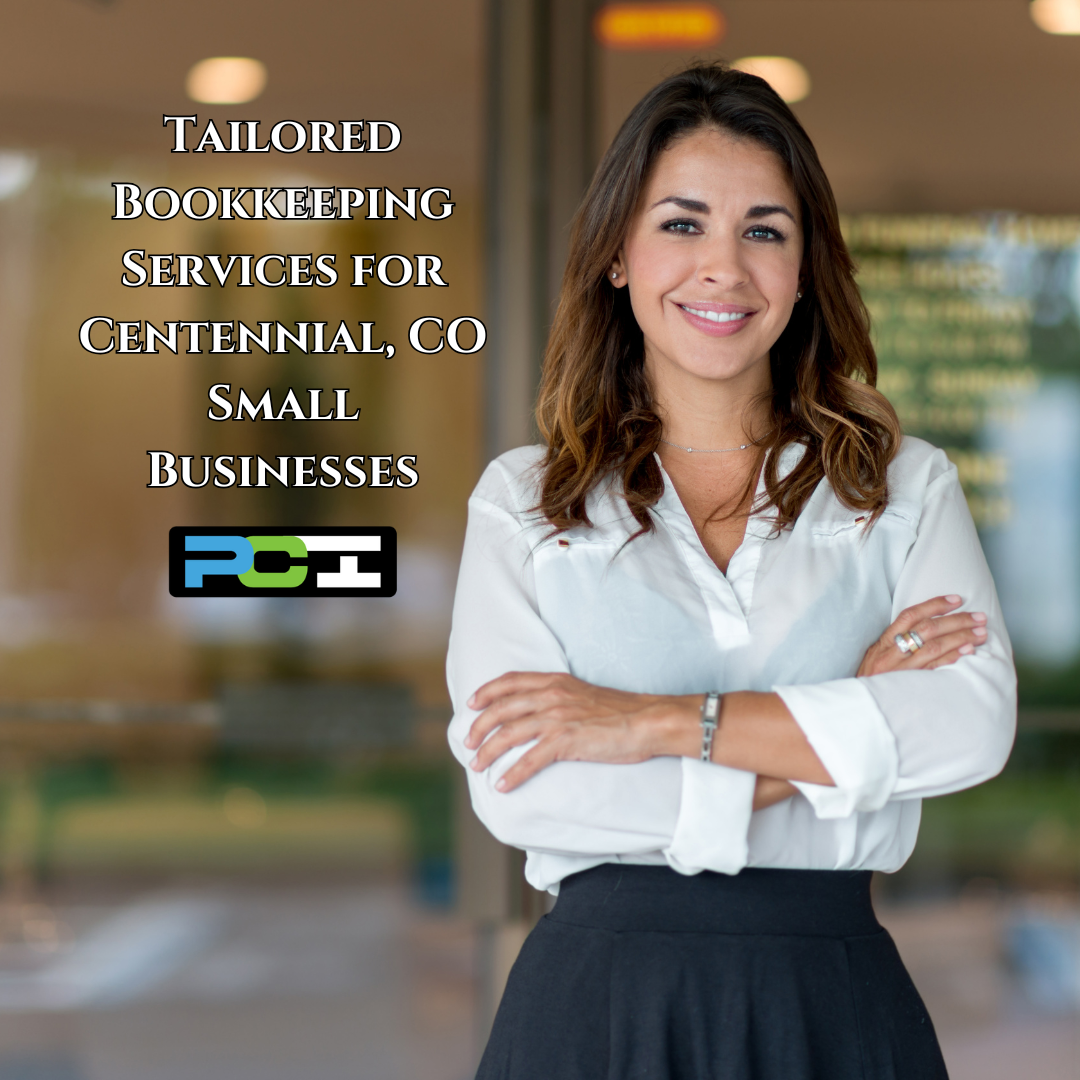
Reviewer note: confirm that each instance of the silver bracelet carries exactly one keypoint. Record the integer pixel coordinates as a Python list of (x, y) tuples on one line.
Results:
[(710, 720)]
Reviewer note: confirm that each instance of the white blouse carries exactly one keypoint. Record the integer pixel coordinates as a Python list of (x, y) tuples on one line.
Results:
[(795, 613)]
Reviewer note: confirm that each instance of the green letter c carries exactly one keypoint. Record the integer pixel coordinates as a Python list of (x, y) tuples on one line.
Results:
[(292, 577)]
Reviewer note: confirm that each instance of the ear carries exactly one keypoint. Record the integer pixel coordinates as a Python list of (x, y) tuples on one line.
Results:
[(617, 272)]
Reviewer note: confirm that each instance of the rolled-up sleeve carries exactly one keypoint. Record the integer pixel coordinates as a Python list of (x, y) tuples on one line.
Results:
[(914, 734), (697, 815)]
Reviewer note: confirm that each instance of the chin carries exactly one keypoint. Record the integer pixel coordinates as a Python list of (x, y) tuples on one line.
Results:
[(705, 360), (716, 368)]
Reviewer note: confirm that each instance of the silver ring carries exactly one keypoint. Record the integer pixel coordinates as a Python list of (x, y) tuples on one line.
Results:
[(919, 643), (903, 644)]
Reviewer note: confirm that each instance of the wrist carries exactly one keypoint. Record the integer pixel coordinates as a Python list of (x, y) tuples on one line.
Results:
[(678, 725), (710, 721)]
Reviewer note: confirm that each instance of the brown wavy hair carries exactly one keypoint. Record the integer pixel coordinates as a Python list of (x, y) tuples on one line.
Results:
[(595, 406)]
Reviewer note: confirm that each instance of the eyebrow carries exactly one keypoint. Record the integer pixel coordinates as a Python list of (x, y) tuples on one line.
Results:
[(698, 207), (684, 204), (765, 211)]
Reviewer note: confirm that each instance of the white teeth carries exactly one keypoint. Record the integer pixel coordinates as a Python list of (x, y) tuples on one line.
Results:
[(716, 316)]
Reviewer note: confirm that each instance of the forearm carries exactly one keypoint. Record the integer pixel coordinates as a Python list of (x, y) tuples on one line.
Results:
[(756, 733), (768, 792), (572, 720), (610, 792)]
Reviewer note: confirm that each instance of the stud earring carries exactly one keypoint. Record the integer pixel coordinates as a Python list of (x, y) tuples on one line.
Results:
[(614, 275), (798, 296)]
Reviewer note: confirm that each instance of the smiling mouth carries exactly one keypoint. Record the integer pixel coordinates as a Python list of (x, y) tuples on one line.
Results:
[(716, 316)]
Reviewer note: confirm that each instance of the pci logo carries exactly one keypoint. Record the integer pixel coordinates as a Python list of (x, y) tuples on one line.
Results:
[(321, 561)]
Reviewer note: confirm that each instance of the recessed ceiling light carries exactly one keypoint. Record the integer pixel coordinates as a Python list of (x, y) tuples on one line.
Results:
[(786, 76), (226, 80), (1056, 16)]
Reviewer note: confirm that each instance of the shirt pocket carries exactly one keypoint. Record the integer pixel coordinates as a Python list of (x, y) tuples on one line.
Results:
[(852, 528)]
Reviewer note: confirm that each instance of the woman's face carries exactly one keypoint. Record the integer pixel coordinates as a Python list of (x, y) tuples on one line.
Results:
[(713, 258)]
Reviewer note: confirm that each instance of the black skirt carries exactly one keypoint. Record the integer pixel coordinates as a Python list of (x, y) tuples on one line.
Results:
[(640, 973)]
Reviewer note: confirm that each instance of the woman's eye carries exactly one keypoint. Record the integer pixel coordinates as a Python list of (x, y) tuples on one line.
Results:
[(764, 232), (681, 225)]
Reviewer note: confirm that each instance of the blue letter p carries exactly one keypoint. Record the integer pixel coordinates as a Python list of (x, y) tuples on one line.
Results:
[(196, 569)]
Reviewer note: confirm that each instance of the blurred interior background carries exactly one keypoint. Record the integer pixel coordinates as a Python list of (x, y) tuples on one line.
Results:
[(232, 841)]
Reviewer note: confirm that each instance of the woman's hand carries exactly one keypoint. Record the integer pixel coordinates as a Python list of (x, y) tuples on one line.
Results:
[(945, 638), (574, 721)]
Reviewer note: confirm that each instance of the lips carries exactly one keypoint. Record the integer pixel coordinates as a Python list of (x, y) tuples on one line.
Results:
[(715, 316), (716, 320)]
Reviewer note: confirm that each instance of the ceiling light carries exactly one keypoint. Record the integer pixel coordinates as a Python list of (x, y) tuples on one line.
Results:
[(787, 77), (658, 26), (16, 172), (226, 80), (1056, 16)]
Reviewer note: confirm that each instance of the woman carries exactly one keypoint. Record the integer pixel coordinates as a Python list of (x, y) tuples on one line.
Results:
[(670, 679)]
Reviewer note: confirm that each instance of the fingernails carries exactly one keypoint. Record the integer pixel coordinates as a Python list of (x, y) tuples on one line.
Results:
[(471, 702), (500, 785), (979, 631), (966, 650), (978, 616), (475, 764), (953, 598)]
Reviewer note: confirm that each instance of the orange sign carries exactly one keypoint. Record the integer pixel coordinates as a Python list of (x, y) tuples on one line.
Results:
[(658, 26)]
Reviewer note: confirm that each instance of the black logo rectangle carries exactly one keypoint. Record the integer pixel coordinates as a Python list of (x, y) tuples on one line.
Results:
[(282, 561)]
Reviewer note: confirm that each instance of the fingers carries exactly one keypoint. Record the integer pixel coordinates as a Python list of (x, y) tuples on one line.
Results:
[(512, 696), (962, 642), (510, 683), (910, 617), (539, 757), (506, 738), (960, 629), (932, 622), (506, 710), (564, 718), (929, 629), (950, 657)]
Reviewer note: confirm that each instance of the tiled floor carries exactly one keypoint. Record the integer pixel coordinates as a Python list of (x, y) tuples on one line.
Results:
[(357, 982), (990, 1029), (332, 983)]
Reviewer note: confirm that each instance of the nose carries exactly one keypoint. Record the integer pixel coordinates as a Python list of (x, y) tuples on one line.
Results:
[(721, 263)]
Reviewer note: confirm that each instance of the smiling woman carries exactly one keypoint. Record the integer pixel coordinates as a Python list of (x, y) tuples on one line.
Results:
[(753, 192), (715, 641), (738, 237)]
